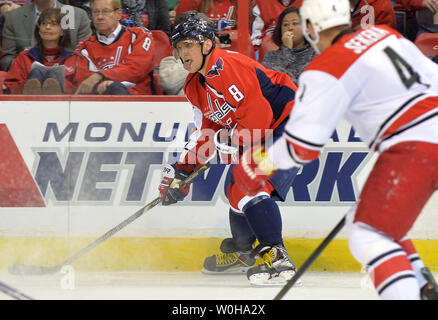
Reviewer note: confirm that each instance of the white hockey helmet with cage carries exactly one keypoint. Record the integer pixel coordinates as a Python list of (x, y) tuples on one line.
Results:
[(323, 14)]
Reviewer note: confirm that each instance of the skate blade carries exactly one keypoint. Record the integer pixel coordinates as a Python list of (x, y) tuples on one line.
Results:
[(264, 280), (226, 271)]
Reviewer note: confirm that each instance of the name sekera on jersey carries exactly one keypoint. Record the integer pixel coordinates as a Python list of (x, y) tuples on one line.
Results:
[(365, 39)]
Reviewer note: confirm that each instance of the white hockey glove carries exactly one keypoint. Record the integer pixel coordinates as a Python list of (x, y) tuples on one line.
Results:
[(227, 150)]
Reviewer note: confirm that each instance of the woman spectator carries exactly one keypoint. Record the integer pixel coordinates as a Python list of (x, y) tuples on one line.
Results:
[(294, 53), (49, 51), (266, 13)]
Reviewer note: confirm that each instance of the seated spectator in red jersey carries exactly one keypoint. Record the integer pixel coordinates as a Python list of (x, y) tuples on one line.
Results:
[(266, 13), (119, 58), (221, 12), (372, 12), (52, 40)]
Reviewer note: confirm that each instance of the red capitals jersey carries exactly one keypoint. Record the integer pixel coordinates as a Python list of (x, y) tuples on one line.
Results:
[(19, 72), (128, 59), (236, 92), (382, 12)]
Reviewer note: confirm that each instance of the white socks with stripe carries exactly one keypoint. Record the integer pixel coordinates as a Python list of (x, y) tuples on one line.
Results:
[(386, 261)]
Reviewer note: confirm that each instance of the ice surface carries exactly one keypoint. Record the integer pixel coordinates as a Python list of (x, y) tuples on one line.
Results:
[(185, 286)]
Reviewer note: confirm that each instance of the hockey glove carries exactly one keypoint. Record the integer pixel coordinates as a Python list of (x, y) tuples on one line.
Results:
[(227, 150), (171, 188), (253, 170)]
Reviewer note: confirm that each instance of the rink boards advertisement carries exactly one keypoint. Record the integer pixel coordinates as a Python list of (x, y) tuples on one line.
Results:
[(76, 168)]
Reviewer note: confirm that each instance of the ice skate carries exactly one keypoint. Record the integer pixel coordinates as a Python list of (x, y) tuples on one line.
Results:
[(231, 260), (430, 290), (276, 267)]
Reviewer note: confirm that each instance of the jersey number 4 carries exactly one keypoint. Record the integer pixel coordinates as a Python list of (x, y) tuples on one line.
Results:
[(407, 75)]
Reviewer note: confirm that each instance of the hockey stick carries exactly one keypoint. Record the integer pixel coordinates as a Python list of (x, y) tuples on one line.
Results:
[(22, 269), (13, 292), (310, 260)]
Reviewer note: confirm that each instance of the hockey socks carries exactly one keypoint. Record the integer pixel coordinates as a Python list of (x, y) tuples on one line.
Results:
[(264, 219), (414, 258), (393, 276), (241, 231), (386, 261)]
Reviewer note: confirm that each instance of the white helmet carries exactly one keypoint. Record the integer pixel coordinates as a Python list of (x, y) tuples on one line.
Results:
[(324, 14)]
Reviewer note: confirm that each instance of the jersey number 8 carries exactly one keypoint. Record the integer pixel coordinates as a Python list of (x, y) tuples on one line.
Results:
[(147, 44), (237, 95)]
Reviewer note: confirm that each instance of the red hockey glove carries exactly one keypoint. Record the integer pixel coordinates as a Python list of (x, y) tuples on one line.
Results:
[(170, 187), (253, 170)]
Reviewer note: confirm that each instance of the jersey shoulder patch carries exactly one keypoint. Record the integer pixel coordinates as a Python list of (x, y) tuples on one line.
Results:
[(215, 69)]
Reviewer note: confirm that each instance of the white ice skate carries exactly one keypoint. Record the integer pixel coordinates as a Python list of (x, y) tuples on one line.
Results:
[(276, 267)]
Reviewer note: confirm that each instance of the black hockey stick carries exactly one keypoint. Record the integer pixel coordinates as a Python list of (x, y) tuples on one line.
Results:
[(22, 269), (310, 260), (13, 292)]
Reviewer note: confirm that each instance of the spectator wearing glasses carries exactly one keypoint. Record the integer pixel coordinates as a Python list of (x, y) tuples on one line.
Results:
[(20, 22), (118, 59), (50, 50)]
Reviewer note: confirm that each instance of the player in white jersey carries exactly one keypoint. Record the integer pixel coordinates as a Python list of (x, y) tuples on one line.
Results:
[(388, 90)]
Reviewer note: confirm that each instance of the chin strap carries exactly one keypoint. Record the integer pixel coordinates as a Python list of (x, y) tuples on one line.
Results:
[(204, 56)]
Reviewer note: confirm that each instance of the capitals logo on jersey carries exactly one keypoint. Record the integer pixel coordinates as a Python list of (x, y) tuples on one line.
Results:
[(218, 111), (214, 71)]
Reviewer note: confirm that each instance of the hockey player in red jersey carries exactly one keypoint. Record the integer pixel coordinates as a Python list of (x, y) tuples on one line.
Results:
[(382, 84), (118, 59), (235, 99)]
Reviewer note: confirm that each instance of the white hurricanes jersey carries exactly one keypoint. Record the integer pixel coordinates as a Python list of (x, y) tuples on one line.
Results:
[(374, 78)]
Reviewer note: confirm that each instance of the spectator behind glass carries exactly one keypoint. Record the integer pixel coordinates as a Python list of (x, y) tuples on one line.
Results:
[(50, 50), (172, 74), (5, 7), (266, 13), (372, 12), (119, 58), (410, 9), (19, 27), (425, 17), (221, 12), (152, 14), (294, 53)]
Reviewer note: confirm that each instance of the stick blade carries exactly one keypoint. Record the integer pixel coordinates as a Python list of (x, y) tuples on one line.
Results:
[(26, 270)]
